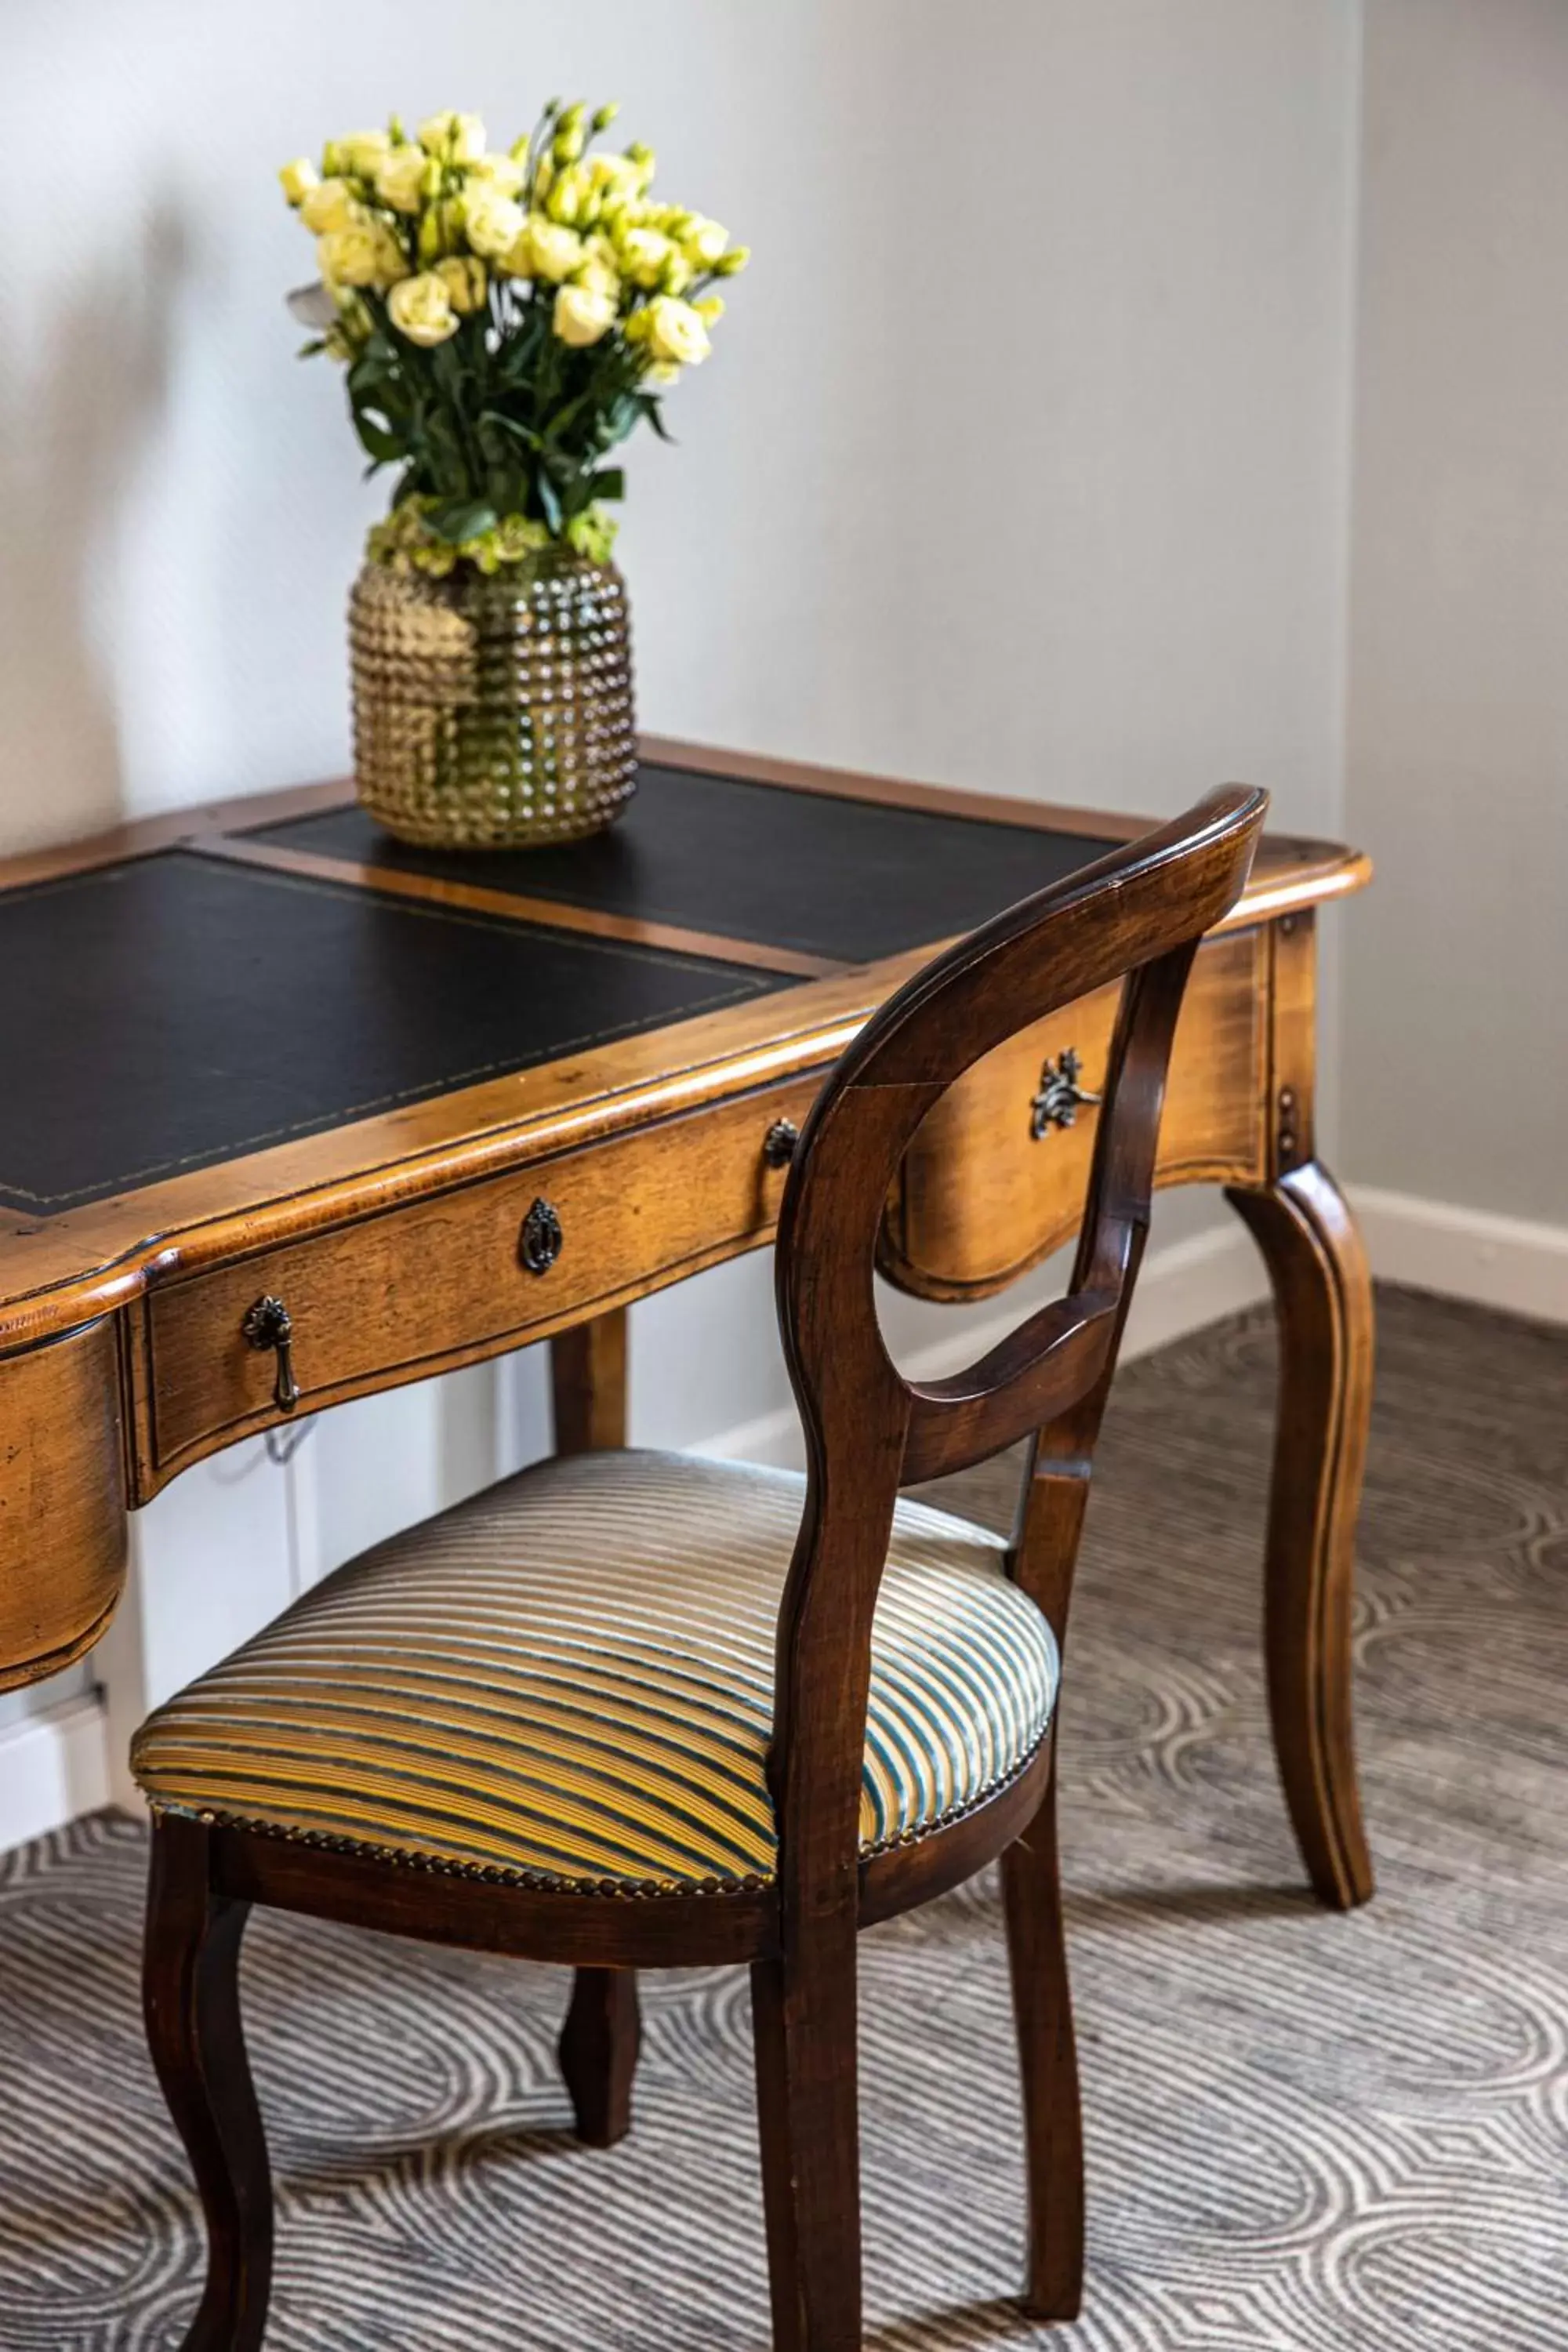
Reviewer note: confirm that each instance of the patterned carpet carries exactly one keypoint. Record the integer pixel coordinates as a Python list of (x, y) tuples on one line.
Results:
[(1304, 2132)]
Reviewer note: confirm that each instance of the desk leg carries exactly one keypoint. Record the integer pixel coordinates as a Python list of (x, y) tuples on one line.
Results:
[(1323, 1296), (588, 1384), (599, 2042)]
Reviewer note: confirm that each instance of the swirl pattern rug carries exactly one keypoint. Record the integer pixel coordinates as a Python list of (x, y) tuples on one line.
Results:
[(1305, 2132)]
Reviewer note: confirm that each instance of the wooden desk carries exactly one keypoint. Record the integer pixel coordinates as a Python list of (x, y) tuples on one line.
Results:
[(260, 1052)]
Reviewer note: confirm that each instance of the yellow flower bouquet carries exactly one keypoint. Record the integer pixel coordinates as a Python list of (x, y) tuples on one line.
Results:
[(504, 320)]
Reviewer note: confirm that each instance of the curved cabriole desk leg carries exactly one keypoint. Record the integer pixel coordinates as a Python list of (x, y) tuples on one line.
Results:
[(1323, 1296)]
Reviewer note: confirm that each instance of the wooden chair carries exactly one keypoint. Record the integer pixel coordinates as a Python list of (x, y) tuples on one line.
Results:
[(628, 1710)]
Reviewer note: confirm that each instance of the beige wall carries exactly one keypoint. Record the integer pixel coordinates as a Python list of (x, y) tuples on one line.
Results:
[(1455, 1059), (1021, 463)]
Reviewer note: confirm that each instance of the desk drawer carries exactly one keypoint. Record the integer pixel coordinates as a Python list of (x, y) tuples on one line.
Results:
[(980, 1197), (441, 1282)]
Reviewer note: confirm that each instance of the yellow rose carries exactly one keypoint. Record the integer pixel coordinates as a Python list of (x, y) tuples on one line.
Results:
[(735, 259), (644, 252), (492, 223), (362, 151), (704, 241), (400, 178), (329, 204), (709, 310), (599, 276), (464, 280), (364, 253), (299, 178), (517, 261), (614, 176), (554, 250), (421, 309), (501, 172), (456, 138), (582, 314), (675, 332)]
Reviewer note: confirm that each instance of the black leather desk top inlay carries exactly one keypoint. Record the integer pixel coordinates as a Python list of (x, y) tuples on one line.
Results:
[(175, 1011), (852, 880)]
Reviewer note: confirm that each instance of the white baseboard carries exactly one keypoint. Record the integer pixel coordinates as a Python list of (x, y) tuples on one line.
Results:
[(53, 1766), (1462, 1253), (1181, 1287)]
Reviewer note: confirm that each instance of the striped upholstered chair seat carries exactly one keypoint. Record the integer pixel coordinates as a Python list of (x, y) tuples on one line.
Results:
[(568, 1681)]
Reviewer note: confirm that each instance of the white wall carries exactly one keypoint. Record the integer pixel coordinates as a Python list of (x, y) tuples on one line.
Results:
[(1456, 1069), (1021, 465)]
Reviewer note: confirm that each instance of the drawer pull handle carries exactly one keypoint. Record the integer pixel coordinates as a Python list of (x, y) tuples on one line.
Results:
[(268, 1324), (538, 1244), (1056, 1104), (779, 1143)]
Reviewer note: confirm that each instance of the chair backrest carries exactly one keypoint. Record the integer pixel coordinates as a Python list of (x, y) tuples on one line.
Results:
[(1136, 915)]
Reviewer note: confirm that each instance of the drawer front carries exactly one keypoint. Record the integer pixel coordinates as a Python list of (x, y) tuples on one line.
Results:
[(982, 1196), (440, 1282)]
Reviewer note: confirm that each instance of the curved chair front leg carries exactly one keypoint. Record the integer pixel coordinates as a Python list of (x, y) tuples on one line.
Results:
[(805, 2027), (1047, 2057), (191, 2001), (1323, 1296)]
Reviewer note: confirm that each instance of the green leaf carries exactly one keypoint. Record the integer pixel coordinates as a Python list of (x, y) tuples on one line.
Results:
[(370, 370), (493, 423), (610, 482), (550, 499), (445, 458), (649, 406), (622, 416), (459, 518), (378, 439)]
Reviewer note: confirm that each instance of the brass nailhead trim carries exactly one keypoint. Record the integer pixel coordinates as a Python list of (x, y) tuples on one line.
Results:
[(539, 1882)]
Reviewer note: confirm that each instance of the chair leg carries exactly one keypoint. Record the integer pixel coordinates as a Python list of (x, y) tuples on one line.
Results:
[(598, 2052), (803, 2021), (191, 2002), (1042, 2008)]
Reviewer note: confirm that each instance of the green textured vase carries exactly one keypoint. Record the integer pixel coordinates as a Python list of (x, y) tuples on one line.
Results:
[(493, 711)]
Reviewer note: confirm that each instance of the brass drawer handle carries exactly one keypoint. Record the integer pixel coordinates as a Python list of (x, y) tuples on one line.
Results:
[(268, 1324), (539, 1244), (780, 1141), (1061, 1094)]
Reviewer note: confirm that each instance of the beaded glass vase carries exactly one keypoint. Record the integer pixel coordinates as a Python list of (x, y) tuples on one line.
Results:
[(493, 711)]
